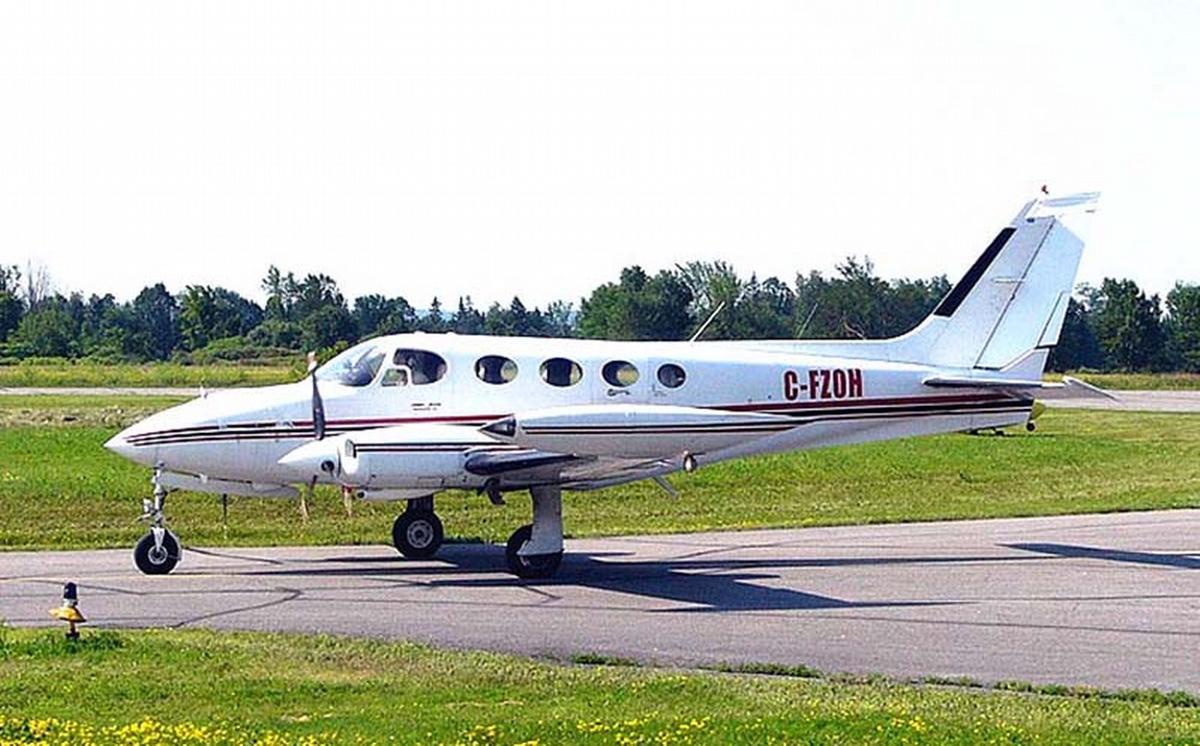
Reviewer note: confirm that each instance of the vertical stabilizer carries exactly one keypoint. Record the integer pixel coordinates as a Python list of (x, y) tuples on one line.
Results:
[(1012, 301)]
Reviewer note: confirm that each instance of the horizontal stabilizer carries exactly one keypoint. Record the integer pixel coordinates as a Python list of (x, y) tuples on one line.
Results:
[(1070, 388)]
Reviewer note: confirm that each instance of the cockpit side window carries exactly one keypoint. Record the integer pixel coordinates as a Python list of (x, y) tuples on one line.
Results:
[(356, 366), (425, 367), (395, 377)]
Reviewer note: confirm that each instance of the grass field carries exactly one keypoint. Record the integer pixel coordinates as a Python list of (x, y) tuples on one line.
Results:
[(1141, 381), (196, 687), (79, 374), (84, 374), (60, 489)]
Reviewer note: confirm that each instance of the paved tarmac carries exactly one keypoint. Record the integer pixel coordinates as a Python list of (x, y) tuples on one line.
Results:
[(1137, 401), (1106, 600)]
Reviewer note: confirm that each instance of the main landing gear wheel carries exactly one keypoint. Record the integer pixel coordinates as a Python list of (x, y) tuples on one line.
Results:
[(154, 557), (529, 566), (417, 534)]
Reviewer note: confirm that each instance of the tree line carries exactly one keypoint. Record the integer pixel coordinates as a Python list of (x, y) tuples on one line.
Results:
[(1113, 326)]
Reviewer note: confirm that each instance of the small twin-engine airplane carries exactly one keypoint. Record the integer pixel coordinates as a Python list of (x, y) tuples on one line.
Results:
[(403, 417)]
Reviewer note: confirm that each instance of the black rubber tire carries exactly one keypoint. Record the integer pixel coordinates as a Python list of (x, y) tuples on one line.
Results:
[(417, 534), (530, 567), (152, 561)]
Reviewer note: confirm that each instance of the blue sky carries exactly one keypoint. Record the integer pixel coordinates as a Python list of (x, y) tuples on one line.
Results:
[(498, 148)]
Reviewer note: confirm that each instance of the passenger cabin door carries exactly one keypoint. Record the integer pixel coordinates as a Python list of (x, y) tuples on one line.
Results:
[(621, 381), (417, 380)]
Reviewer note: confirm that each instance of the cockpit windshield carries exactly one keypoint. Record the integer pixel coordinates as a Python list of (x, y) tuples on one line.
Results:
[(356, 366)]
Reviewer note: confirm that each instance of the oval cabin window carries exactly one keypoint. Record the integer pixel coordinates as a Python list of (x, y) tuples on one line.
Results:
[(495, 369), (620, 373), (559, 371), (671, 375), (424, 366)]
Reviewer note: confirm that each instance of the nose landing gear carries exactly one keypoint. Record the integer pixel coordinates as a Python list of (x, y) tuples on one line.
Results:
[(158, 551)]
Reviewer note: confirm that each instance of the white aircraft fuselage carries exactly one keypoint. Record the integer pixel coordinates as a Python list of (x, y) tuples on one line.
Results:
[(786, 399), (402, 417)]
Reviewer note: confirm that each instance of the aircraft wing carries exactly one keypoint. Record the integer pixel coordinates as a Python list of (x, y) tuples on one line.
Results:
[(591, 447), (613, 472), (1070, 388)]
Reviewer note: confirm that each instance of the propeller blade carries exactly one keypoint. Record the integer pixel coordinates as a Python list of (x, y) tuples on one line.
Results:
[(318, 406), (318, 411)]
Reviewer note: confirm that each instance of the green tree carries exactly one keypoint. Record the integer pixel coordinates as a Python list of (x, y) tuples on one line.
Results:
[(506, 322), (326, 326), (280, 290), (11, 307), (376, 314), (1129, 326), (1077, 344), (765, 310), (849, 306), (467, 320), (560, 319), (48, 331), (314, 293), (210, 313), (910, 301), (1183, 327), (277, 333), (156, 315), (857, 304), (434, 321), (749, 309), (638, 307)]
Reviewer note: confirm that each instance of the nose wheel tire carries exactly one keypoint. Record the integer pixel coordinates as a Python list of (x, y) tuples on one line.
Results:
[(155, 560), (529, 566), (417, 535)]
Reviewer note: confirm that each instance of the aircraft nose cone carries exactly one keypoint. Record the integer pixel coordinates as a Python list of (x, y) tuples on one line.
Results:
[(120, 445), (317, 457)]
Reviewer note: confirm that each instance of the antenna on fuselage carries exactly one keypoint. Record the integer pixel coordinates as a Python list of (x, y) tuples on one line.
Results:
[(807, 321), (711, 317)]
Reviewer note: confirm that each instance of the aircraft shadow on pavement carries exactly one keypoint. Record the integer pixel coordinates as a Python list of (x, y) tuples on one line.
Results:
[(708, 583), (1074, 551)]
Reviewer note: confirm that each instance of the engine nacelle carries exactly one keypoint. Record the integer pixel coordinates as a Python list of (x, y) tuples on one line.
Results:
[(401, 457)]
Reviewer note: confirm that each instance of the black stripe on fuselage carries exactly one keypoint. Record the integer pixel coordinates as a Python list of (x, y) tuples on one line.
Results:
[(964, 287)]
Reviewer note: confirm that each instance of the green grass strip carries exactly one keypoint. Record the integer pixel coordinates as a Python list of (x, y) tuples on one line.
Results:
[(200, 687)]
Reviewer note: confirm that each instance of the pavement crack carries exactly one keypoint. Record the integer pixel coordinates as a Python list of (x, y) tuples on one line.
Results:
[(290, 594)]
